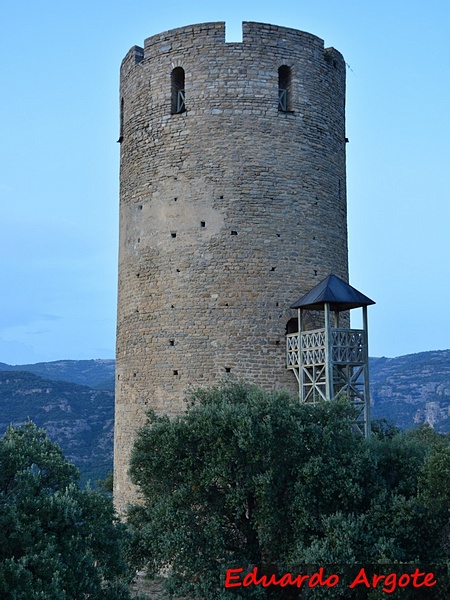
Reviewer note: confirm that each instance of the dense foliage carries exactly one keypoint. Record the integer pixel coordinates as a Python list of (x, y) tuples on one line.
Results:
[(246, 478), (57, 542)]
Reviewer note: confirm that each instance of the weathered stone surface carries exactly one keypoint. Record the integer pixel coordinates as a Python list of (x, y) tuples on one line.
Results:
[(229, 211)]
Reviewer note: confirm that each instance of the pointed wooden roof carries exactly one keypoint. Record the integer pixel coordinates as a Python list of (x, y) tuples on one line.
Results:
[(334, 291)]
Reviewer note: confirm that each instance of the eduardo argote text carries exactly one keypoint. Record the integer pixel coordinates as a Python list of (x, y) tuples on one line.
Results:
[(387, 582)]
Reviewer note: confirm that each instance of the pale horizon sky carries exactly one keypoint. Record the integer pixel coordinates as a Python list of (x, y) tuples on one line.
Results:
[(59, 166)]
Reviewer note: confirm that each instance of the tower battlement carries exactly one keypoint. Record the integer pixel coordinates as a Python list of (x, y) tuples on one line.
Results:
[(232, 204), (207, 35)]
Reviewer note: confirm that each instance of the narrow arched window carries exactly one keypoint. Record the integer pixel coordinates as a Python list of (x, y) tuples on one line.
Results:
[(284, 88), (178, 95), (292, 326)]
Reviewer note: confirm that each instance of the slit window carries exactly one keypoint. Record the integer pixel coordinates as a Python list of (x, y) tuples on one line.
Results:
[(120, 140), (284, 88), (178, 93)]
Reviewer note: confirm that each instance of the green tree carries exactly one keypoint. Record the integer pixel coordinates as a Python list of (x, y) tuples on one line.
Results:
[(247, 478), (56, 541)]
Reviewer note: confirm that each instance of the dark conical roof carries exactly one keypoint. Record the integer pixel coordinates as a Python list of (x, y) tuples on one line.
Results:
[(334, 291)]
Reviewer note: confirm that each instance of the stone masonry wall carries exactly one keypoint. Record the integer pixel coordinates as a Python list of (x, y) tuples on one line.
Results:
[(229, 211)]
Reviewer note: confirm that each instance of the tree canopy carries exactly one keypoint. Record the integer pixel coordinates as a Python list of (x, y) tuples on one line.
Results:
[(247, 478), (57, 542)]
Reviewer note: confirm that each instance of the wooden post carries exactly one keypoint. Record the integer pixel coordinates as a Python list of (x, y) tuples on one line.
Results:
[(300, 361), (329, 387), (336, 318), (367, 430)]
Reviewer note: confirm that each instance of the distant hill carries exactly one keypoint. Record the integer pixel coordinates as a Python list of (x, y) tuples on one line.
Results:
[(407, 390), (412, 389), (94, 373), (79, 418)]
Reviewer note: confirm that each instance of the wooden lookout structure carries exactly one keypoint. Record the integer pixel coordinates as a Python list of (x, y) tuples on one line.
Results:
[(332, 360)]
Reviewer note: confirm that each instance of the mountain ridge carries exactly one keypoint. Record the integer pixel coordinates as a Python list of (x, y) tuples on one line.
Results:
[(92, 372), (74, 401), (77, 417)]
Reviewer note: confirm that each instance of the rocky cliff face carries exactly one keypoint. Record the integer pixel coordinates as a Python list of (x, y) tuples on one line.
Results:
[(412, 389), (79, 418)]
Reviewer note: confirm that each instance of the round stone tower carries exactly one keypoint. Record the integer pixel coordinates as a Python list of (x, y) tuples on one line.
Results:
[(232, 204)]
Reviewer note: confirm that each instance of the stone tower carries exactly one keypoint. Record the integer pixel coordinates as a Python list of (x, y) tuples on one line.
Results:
[(232, 204)]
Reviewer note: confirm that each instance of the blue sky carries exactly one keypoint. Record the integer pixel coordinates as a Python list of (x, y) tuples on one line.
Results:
[(59, 162)]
